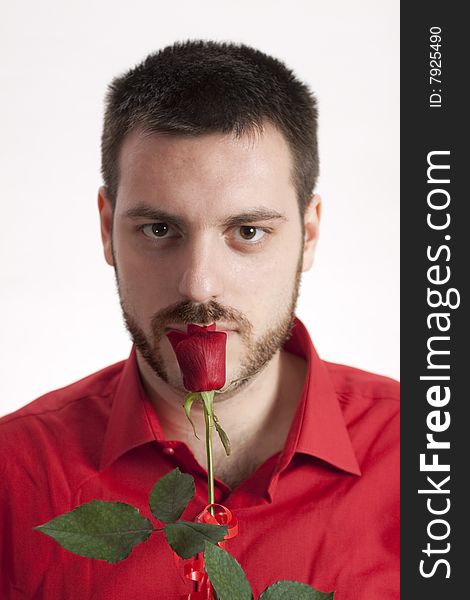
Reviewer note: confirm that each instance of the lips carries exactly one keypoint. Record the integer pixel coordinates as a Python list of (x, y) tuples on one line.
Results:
[(199, 328), (193, 328)]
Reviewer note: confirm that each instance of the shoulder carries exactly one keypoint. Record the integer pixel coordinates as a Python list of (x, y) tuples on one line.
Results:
[(370, 404), (350, 382), (58, 416)]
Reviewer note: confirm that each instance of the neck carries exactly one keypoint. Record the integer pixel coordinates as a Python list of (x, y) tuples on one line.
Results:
[(256, 417)]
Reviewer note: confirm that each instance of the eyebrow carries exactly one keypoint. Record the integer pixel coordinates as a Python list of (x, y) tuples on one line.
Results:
[(152, 214), (250, 216)]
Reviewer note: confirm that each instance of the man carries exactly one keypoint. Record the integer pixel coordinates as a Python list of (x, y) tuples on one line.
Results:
[(208, 215)]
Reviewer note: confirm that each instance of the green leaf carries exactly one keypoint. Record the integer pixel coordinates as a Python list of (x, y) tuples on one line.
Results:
[(226, 574), (103, 530), (188, 538), (223, 436), (286, 590), (170, 495), (187, 408)]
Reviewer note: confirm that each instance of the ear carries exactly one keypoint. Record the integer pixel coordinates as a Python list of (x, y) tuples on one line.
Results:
[(106, 220), (312, 230)]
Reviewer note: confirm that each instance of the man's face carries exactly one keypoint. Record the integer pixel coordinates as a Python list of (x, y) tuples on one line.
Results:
[(207, 229)]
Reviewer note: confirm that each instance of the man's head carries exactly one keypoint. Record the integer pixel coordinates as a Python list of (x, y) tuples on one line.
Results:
[(207, 214), (199, 87)]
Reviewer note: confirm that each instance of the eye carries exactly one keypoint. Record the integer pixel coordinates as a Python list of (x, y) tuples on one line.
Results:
[(249, 233), (158, 230)]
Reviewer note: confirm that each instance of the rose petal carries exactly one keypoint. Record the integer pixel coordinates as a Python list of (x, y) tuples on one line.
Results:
[(201, 358)]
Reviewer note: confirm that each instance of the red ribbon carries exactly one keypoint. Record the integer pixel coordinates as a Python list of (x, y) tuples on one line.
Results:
[(193, 569)]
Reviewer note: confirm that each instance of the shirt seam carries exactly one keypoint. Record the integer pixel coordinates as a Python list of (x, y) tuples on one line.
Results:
[(149, 421), (53, 410), (345, 395)]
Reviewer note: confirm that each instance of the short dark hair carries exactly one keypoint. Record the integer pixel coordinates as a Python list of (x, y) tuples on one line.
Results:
[(198, 87)]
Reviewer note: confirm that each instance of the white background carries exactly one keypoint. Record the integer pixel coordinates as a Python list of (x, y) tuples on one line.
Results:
[(60, 316)]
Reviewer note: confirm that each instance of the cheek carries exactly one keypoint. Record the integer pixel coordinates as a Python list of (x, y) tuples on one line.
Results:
[(264, 287), (145, 283)]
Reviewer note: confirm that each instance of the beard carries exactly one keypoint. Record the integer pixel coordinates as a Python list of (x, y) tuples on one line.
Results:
[(259, 352)]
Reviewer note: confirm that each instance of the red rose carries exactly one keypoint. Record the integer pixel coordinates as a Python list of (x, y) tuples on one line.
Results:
[(201, 357)]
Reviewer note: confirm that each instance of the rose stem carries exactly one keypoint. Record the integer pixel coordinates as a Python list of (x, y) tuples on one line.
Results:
[(210, 463), (209, 421)]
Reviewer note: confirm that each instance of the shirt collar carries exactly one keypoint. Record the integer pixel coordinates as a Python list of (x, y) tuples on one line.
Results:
[(132, 421), (318, 428)]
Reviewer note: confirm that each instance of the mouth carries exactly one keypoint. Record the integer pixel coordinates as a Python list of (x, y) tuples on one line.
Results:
[(228, 329)]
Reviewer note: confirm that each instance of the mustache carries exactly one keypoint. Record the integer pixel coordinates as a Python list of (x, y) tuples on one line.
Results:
[(188, 312)]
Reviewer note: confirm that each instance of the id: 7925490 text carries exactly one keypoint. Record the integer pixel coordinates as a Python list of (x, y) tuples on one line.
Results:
[(435, 69)]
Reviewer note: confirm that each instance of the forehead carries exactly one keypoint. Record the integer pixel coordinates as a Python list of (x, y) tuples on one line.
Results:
[(214, 172)]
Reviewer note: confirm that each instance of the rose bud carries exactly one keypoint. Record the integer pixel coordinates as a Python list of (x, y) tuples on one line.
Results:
[(201, 356)]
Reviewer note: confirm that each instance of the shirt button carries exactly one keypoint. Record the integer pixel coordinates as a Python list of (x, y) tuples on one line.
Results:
[(169, 451)]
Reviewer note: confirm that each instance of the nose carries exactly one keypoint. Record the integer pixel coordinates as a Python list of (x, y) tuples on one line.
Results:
[(201, 279)]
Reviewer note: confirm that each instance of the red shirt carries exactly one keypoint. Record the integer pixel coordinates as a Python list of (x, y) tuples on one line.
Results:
[(323, 511)]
